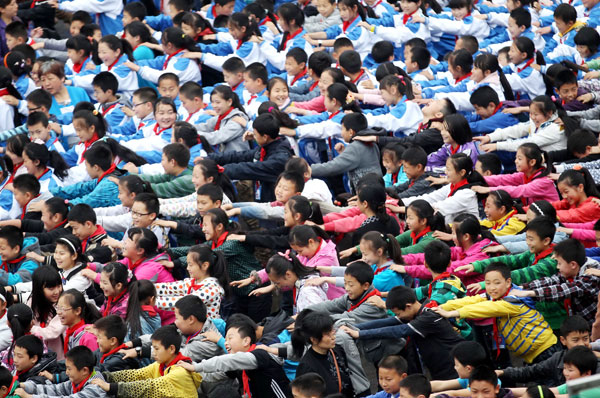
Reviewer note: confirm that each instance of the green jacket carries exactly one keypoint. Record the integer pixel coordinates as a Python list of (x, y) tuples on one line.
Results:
[(406, 243), (593, 64), (167, 186)]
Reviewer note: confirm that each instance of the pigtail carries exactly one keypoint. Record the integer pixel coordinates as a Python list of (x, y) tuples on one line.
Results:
[(61, 168), (284, 119), (394, 250), (123, 153)]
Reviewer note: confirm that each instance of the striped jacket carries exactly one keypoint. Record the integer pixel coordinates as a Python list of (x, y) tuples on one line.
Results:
[(168, 186)]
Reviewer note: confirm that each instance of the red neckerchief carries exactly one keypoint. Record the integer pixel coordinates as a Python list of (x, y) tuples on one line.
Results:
[(412, 182), (20, 372), (113, 351), (70, 332), (26, 204), (372, 293), (5, 266), (496, 333), (220, 240), (60, 224), (380, 270), (246, 379), (171, 56), (193, 286), (406, 16), (333, 114), (87, 144), (543, 254), (441, 276), (221, 117), (112, 168), (113, 64), (44, 172), (4, 92), (192, 336), (236, 86), (454, 187), (508, 217), (179, 357), (527, 180), (141, 124), (568, 302), (362, 72), (497, 108), (298, 77), (263, 154), (214, 12), (136, 264), (187, 119), (150, 310), (527, 65), (346, 24), (460, 79), (99, 230), (106, 110), (113, 300), (313, 85), (15, 378), (291, 36), (240, 42), (453, 150), (395, 177), (252, 97), (415, 237), (79, 387), (31, 6), (77, 66), (158, 130)]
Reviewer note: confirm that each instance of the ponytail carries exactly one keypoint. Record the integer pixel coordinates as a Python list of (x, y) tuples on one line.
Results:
[(387, 242), (580, 176), (217, 264), (46, 158), (139, 292), (284, 119)]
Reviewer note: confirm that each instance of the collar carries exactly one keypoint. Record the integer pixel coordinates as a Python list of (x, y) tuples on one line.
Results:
[(313, 85), (357, 78), (191, 336), (331, 116), (110, 170), (503, 222), (543, 254), (406, 16), (171, 56), (87, 144), (149, 309), (79, 387), (290, 36), (525, 65), (415, 237), (99, 231), (347, 24), (373, 292), (113, 300), (455, 187), (179, 357), (453, 149), (24, 211), (299, 76), (463, 77), (220, 240), (113, 64), (108, 108), (527, 180), (111, 352), (5, 265), (78, 66), (576, 26), (221, 117), (70, 332)]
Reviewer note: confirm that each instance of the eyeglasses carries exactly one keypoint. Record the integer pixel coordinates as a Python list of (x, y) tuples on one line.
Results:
[(138, 214), (62, 310), (141, 103), (34, 109)]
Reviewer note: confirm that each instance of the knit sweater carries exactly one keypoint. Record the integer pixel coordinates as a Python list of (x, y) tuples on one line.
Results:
[(168, 186)]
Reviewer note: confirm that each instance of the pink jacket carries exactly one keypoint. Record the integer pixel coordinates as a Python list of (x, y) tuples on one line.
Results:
[(119, 308), (541, 188), (416, 269), (316, 104), (583, 232), (350, 219), (52, 335)]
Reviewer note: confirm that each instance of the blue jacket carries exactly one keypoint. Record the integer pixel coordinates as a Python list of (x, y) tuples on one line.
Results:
[(498, 120), (64, 113), (15, 272), (95, 193)]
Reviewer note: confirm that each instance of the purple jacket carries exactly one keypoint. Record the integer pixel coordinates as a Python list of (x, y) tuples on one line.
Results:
[(438, 159)]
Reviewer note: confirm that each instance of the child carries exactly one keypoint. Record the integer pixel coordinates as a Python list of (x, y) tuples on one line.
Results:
[(392, 372), (227, 127), (351, 66), (8, 383), (79, 51), (47, 166), (489, 113), (577, 189), (16, 267), (39, 129), (177, 173), (90, 127), (233, 75), (105, 86), (415, 386), (309, 385), (255, 82), (142, 315), (457, 137), (317, 63), (80, 363), (26, 193), (143, 105), (82, 220), (75, 313), (431, 336), (500, 212), (110, 332), (391, 158), (488, 164), (29, 358), (295, 66), (414, 162), (468, 355), (511, 314), (193, 107), (328, 16), (525, 81), (114, 282), (579, 362), (70, 262)]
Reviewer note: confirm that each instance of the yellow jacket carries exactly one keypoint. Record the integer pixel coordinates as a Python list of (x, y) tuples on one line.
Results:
[(148, 383), (524, 330), (507, 225)]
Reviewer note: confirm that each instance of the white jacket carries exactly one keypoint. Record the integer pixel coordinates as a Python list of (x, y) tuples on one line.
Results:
[(549, 136), (463, 201)]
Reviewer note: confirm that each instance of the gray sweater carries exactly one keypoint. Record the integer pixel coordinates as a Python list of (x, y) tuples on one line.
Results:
[(229, 135)]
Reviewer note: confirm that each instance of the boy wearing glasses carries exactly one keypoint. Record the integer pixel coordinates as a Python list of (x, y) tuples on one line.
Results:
[(141, 114)]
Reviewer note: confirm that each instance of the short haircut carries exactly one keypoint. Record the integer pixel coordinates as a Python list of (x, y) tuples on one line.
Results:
[(245, 326), (32, 344), (17, 30), (99, 155), (27, 183), (437, 256), (415, 155), (395, 149), (490, 162), (350, 60), (588, 37), (256, 71), (399, 297), (82, 357), (146, 94), (566, 13), (417, 384), (342, 42), (318, 62), (112, 326), (136, 9), (577, 142), (360, 271), (543, 227), (78, 43), (496, 266), (191, 90), (395, 362), (355, 121), (484, 373), (470, 353), (40, 97), (37, 118), (182, 5), (191, 306), (296, 178), (421, 56), (583, 358), (298, 54), (521, 16), (470, 43), (234, 65), (150, 200), (178, 152), (167, 336), (310, 385), (106, 81), (213, 191), (6, 377), (382, 51), (267, 124), (571, 250), (564, 77), (575, 323), (81, 16), (82, 213), (168, 76), (483, 96), (416, 42)]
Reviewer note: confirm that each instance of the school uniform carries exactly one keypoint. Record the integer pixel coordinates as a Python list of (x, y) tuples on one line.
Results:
[(75, 69), (444, 30), (450, 204), (109, 13), (154, 139), (112, 112), (400, 28), (127, 78), (402, 118), (549, 136), (186, 69), (361, 38), (528, 189), (214, 55), (84, 390), (526, 82), (96, 193), (224, 131), (276, 50)]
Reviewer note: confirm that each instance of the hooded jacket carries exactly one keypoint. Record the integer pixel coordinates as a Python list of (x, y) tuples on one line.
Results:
[(46, 362), (229, 135)]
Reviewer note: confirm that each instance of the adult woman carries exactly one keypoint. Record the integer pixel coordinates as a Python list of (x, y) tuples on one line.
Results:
[(64, 98)]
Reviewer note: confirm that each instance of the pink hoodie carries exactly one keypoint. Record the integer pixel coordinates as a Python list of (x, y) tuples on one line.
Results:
[(350, 219), (541, 188), (316, 104), (583, 232)]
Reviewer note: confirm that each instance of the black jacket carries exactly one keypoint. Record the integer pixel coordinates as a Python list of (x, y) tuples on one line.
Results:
[(430, 140), (276, 239), (115, 362), (47, 362)]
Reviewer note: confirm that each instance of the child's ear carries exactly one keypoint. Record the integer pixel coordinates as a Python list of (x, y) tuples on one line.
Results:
[(563, 341), (547, 241)]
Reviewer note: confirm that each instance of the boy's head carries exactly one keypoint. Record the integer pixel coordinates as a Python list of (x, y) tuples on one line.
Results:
[(105, 86), (467, 42), (382, 51), (539, 234), (166, 342), (503, 58), (256, 77), (467, 356), (437, 256), (98, 159), (143, 101), (402, 301), (437, 109), (7, 381), (179, 6), (317, 63), (340, 46), (391, 157), (350, 62), (82, 219), (580, 143), (415, 386), (37, 125), (295, 61), (518, 22), (497, 280), (579, 361), (175, 157), (191, 95), (587, 41), (233, 71), (190, 314), (488, 164), (145, 209), (392, 370), (208, 196), (78, 20), (309, 385), (240, 333), (28, 351), (223, 7), (358, 278), (288, 184), (570, 257), (16, 33), (485, 101), (565, 15), (79, 363), (566, 85), (483, 383), (168, 85), (134, 11), (25, 188), (575, 331), (418, 59), (110, 332), (39, 100), (352, 124), (414, 160), (266, 129)]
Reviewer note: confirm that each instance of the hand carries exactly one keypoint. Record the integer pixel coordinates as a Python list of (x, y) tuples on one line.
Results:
[(554, 176), (248, 136), (111, 242), (211, 335), (21, 393), (495, 249), (350, 332), (38, 45), (130, 353), (376, 301), (366, 138), (398, 268), (467, 269), (192, 55), (591, 75), (211, 112), (596, 201), (480, 189), (10, 100), (36, 33), (272, 27), (314, 281), (234, 212), (585, 98), (88, 273), (481, 16), (166, 263), (261, 290), (339, 147), (241, 238), (240, 120), (512, 111), (568, 231), (488, 147), (499, 372), (395, 209), (423, 101), (536, 67), (90, 329), (46, 374), (36, 257), (559, 121), (165, 223), (131, 65), (90, 66), (367, 84), (592, 271), (36, 206), (522, 293), (101, 383), (417, 19), (483, 139), (130, 167), (348, 252), (365, 25), (55, 127), (127, 111), (443, 236), (474, 288), (444, 313), (287, 132), (256, 39), (437, 180), (53, 3)]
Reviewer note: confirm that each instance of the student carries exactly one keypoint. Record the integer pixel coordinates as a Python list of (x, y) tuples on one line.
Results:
[(70, 262), (309, 385), (468, 355), (391, 159), (26, 193), (176, 176), (29, 358), (525, 81), (80, 55), (565, 30), (317, 63), (500, 212), (457, 137), (89, 127), (391, 372), (192, 110), (114, 282), (415, 386), (218, 8), (351, 66), (39, 129), (143, 106), (295, 66), (511, 314), (8, 383), (82, 220), (414, 160), (75, 313), (18, 324), (46, 165), (110, 332), (16, 266), (577, 189), (233, 73), (255, 81), (489, 111), (6, 196), (433, 337), (227, 127), (579, 361), (105, 86), (461, 61), (142, 316), (488, 164)]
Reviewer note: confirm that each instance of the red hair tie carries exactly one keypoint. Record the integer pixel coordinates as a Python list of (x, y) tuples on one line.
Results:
[(220, 169)]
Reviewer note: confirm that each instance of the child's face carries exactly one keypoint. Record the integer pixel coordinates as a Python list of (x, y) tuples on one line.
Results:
[(454, 176), (104, 343), (389, 95), (331, 105), (108, 289), (52, 294), (141, 108), (485, 112), (353, 287), (404, 393), (254, 86), (460, 13), (575, 339), (566, 268), (130, 249), (408, 7), (198, 178), (75, 27), (492, 211), (107, 55), (50, 220), (93, 171), (514, 29), (190, 104), (479, 168), (279, 94), (22, 360), (165, 115), (82, 231), (227, 9), (347, 134), (233, 79), (182, 323), (168, 88), (561, 25), (125, 196), (389, 380), (196, 270), (75, 56), (503, 59), (495, 284), (446, 136), (336, 54), (29, 164), (286, 281), (39, 132), (63, 257), (235, 342), (289, 218), (390, 163), (161, 354), (10, 11), (483, 389), (187, 29), (573, 194), (284, 190), (535, 243), (584, 51), (477, 74), (464, 372), (412, 171), (309, 250), (65, 312), (83, 131), (413, 221), (22, 197), (208, 228), (204, 203), (588, 4), (324, 7), (571, 372), (102, 96), (325, 81), (168, 165), (370, 255), (140, 216), (568, 92), (236, 31), (219, 104), (346, 13), (515, 55), (75, 375), (12, 41), (522, 163), (292, 67)]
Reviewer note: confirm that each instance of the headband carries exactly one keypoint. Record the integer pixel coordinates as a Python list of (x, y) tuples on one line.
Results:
[(68, 242), (538, 209), (541, 391)]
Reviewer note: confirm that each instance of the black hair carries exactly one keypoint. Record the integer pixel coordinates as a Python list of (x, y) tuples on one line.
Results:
[(395, 149), (588, 37), (580, 140), (571, 250), (574, 178), (40, 97), (292, 15), (73, 245), (533, 152), (27, 183), (82, 213), (382, 51), (167, 336), (563, 77), (106, 81), (339, 92), (350, 61), (234, 65), (566, 13), (178, 152), (342, 42), (458, 127), (437, 256), (118, 44), (135, 10), (6, 166), (19, 317), (417, 384), (81, 16), (525, 45), (13, 235), (32, 344), (356, 122), (360, 271), (522, 17), (399, 297), (256, 71), (213, 191), (245, 326), (501, 198), (470, 353), (363, 11), (82, 357), (228, 94), (267, 124), (91, 118), (310, 385), (318, 62), (112, 326), (470, 43), (575, 323), (298, 54), (189, 135), (402, 84), (416, 42), (496, 266), (15, 61), (178, 39), (135, 184), (192, 306), (483, 96), (469, 224), (218, 216), (217, 264), (44, 157), (99, 155), (307, 209), (210, 168), (241, 20), (490, 162), (543, 208), (297, 179), (117, 273), (375, 196), (169, 76), (394, 362), (123, 153), (421, 56), (270, 107), (543, 227), (415, 155), (139, 293), (37, 117), (191, 90), (6, 82), (146, 239), (423, 210), (461, 58), (44, 276), (539, 391), (583, 358), (387, 243), (462, 161), (484, 373), (76, 299), (17, 29), (310, 325), (280, 265)]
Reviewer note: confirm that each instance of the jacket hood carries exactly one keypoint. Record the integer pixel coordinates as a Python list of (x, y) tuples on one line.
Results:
[(30, 244), (47, 362), (589, 263)]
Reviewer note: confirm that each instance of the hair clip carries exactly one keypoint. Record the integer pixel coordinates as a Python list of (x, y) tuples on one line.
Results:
[(577, 167), (349, 98), (220, 169), (95, 112), (270, 109), (541, 391), (285, 255)]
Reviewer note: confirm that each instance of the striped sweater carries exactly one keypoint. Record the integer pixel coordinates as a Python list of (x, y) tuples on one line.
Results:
[(168, 186)]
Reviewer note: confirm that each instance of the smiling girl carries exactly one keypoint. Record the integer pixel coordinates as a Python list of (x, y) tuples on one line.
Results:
[(457, 137), (156, 135), (577, 189)]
